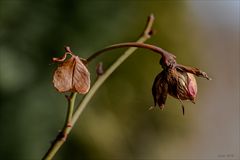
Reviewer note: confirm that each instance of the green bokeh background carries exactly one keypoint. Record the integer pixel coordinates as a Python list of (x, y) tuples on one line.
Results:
[(116, 123)]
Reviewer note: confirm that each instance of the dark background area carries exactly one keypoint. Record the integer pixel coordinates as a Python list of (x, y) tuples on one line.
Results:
[(116, 123)]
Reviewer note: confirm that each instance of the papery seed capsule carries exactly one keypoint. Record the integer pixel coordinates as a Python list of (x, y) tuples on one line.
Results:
[(175, 79), (71, 75)]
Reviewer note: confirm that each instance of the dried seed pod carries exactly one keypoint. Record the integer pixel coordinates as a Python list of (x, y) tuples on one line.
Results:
[(71, 75), (177, 80)]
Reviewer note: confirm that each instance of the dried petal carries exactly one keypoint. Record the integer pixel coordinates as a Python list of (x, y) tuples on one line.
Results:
[(160, 90), (193, 70), (81, 77), (71, 75), (192, 86), (181, 85), (62, 78)]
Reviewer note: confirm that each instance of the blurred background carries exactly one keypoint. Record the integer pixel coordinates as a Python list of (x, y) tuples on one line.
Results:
[(117, 123)]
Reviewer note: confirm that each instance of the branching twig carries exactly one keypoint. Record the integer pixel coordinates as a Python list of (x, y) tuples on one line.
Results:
[(72, 118), (145, 36)]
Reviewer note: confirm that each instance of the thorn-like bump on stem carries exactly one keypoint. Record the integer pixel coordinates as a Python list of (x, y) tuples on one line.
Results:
[(99, 69), (69, 124), (148, 29)]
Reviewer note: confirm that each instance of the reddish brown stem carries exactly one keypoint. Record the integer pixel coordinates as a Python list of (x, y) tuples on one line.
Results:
[(153, 48)]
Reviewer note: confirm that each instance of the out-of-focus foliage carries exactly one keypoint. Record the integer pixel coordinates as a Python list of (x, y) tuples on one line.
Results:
[(117, 123)]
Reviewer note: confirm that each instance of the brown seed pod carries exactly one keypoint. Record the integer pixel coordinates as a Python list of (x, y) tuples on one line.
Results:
[(176, 80), (71, 75)]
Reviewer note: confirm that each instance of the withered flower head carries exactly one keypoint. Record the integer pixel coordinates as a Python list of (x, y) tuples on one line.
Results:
[(72, 74), (177, 80)]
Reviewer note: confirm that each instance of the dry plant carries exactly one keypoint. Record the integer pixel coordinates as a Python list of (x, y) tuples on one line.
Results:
[(73, 76)]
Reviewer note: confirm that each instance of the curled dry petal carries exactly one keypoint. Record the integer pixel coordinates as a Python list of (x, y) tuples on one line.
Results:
[(193, 70), (71, 75), (160, 90), (192, 86)]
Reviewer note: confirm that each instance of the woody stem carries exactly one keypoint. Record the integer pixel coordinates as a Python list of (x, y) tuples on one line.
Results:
[(153, 48)]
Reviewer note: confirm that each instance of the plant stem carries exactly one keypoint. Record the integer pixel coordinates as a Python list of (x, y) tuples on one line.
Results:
[(145, 36), (132, 44), (61, 137), (102, 79), (71, 102)]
